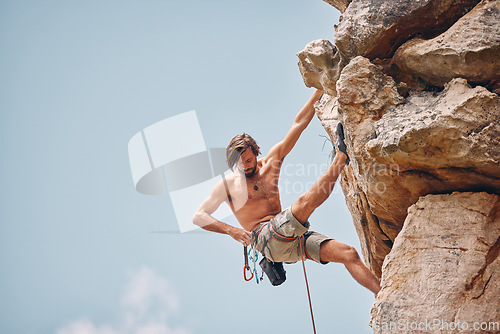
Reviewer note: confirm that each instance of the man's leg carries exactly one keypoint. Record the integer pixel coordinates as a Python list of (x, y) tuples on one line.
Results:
[(334, 251), (319, 192)]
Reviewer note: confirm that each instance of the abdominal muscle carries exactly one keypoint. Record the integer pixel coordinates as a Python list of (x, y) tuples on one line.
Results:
[(257, 211)]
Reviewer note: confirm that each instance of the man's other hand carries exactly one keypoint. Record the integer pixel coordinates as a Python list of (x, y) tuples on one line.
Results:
[(241, 235)]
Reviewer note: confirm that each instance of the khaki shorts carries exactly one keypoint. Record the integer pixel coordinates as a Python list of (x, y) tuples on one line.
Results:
[(286, 225)]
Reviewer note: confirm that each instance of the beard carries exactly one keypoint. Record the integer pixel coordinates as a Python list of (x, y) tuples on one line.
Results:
[(251, 173)]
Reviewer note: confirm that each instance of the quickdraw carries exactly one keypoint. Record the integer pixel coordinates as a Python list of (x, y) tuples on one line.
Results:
[(254, 258), (246, 266)]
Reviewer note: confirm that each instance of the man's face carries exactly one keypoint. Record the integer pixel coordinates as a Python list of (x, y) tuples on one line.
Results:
[(247, 163)]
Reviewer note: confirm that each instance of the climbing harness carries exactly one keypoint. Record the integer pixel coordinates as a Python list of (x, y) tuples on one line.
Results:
[(281, 238)]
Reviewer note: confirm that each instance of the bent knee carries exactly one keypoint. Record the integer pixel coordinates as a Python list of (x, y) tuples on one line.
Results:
[(302, 208), (303, 202)]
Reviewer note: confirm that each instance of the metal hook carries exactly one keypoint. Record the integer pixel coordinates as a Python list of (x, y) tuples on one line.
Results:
[(245, 268)]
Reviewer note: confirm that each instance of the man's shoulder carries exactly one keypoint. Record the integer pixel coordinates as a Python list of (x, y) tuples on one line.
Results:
[(228, 179), (264, 160), (270, 160), (230, 176)]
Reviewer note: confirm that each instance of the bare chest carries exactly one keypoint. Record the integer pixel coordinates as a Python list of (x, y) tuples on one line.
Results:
[(261, 188)]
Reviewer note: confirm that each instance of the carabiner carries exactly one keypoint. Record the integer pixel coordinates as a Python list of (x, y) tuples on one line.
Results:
[(245, 268)]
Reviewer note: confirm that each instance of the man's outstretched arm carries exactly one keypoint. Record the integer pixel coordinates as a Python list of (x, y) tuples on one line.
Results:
[(203, 216), (301, 121)]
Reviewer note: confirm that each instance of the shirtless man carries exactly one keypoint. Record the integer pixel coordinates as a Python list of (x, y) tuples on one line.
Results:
[(251, 192)]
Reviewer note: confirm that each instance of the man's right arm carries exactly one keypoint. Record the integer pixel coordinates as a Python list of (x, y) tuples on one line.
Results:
[(203, 216), (300, 123)]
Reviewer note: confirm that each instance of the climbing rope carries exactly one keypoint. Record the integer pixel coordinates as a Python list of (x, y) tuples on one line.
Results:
[(254, 259), (302, 245)]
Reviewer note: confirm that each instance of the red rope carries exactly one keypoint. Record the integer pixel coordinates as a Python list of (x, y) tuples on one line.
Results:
[(302, 244)]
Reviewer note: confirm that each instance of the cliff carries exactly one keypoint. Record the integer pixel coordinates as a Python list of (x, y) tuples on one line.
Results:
[(416, 84)]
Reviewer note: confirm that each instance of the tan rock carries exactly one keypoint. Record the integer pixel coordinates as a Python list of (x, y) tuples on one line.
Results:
[(457, 129), (470, 49), (376, 28), (320, 65), (437, 254), (328, 113), (339, 4), (365, 94), (443, 269), (403, 149)]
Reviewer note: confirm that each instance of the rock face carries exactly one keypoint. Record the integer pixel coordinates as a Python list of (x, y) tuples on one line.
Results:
[(422, 131), (376, 28), (470, 49), (339, 4), (433, 142), (320, 64), (444, 258)]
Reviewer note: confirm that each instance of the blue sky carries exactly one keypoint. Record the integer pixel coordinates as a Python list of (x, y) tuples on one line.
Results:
[(78, 252)]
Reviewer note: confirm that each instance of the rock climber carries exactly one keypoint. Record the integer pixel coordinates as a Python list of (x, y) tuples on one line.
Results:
[(251, 191)]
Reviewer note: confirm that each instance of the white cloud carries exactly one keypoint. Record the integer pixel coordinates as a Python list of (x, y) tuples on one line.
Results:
[(147, 303)]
